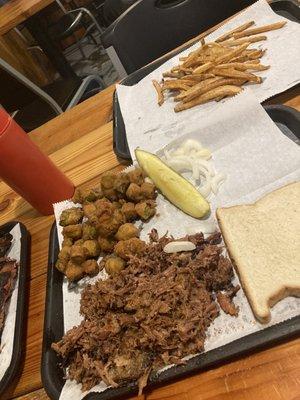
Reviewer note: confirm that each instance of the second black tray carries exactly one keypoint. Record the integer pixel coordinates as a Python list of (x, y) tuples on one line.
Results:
[(18, 344), (286, 8)]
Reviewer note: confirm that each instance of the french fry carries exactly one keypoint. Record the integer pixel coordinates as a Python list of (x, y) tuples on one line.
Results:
[(232, 54), (170, 74), (187, 82), (160, 96), (198, 77), (228, 90), (238, 29), (255, 54), (243, 66), (261, 29), (252, 61), (248, 39), (203, 68), (174, 85), (210, 86), (232, 73), (186, 70), (196, 90)]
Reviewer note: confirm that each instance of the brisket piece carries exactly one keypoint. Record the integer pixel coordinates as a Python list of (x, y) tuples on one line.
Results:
[(8, 274), (5, 243)]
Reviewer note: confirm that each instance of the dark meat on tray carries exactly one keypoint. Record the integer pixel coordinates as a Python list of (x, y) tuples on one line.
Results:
[(5, 243), (8, 274), (150, 314)]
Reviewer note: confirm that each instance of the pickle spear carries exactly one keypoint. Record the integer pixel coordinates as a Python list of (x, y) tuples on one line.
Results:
[(173, 186)]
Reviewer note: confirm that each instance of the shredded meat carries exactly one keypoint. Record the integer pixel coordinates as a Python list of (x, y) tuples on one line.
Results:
[(226, 303), (151, 314), (8, 274)]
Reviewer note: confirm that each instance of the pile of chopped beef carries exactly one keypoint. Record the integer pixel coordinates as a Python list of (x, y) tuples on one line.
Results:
[(8, 274), (153, 313)]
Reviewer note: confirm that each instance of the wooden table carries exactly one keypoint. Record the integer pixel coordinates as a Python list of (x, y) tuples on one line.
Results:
[(16, 11), (80, 143)]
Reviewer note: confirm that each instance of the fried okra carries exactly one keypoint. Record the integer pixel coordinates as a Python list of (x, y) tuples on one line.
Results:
[(64, 254), (72, 231), (88, 231), (148, 190), (77, 254), (91, 248), (87, 195), (90, 267), (111, 194), (121, 183), (109, 224), (134, 192), (89, 210), (127, 231), (113, 265), (145, 209), (67, 242), (106, 244), (136, 176), (108, 180), (125, 248), (72, 216), (74, 272), (128, 209), (61, 266)]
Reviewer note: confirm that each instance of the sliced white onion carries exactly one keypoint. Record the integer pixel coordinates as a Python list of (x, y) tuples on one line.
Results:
[(204, 153), (191, 157), (205, 190), (217, 182), (180, 165), (191, 144)]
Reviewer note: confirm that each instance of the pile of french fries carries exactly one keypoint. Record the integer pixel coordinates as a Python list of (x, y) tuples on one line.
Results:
[(217, 69)]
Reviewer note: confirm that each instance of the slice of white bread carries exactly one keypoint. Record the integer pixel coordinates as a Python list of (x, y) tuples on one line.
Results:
[(263, 241)]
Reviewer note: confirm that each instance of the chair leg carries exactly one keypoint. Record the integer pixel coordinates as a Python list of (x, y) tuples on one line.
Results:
[(90, 35), (86, 81), (78, 44)]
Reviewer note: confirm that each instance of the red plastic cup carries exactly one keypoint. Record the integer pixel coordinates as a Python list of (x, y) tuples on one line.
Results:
[(28, 171)]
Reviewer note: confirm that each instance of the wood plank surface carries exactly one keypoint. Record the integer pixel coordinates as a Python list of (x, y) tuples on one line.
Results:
[(75, 123), (13, 50), (16, 11)]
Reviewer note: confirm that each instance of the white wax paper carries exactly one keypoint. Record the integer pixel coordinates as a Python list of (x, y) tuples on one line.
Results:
[(257, 158), (7, 339), (151, 126)]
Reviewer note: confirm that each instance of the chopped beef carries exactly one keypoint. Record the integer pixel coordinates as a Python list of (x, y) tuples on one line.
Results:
[(153, 313), (226, 303), (5, 243), (8, 274)]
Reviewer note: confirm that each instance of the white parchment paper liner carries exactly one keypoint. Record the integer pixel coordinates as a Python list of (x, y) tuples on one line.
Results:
[(151, 126), (7, 339), (257, 158)]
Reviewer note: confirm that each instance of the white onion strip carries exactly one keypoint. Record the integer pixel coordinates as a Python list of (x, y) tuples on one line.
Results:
[(191, 157)]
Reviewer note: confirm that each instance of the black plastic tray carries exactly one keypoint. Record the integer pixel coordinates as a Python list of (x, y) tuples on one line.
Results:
[(287, 8), (52, 375), (21, 305)]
